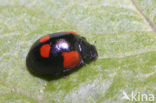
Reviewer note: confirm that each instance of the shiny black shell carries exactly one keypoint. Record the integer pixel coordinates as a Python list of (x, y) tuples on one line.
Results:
[(53, 64)]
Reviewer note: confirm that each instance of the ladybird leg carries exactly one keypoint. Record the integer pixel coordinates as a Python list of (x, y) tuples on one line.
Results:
[(65, 76), (65, 73), (82, 62)]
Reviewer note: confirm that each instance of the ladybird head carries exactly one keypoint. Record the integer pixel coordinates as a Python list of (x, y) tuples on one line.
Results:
[(87, 50)]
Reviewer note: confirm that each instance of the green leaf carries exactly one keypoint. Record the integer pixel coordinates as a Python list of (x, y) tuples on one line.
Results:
[(125, 35)]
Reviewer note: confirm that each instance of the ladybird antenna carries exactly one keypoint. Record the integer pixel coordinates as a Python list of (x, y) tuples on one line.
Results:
[(94, 43)]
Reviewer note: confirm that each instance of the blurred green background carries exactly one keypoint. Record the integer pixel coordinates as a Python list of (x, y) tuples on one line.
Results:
[(125, 32)]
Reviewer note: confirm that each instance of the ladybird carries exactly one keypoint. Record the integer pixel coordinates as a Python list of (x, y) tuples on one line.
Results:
[(58, 53)]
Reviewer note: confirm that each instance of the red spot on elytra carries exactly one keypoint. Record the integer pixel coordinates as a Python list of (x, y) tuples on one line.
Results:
[(45, 38), (71, 59), (45, 50), (71, 32)]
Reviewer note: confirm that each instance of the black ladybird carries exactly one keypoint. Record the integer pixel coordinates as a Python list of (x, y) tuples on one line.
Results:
[(60, 52)]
